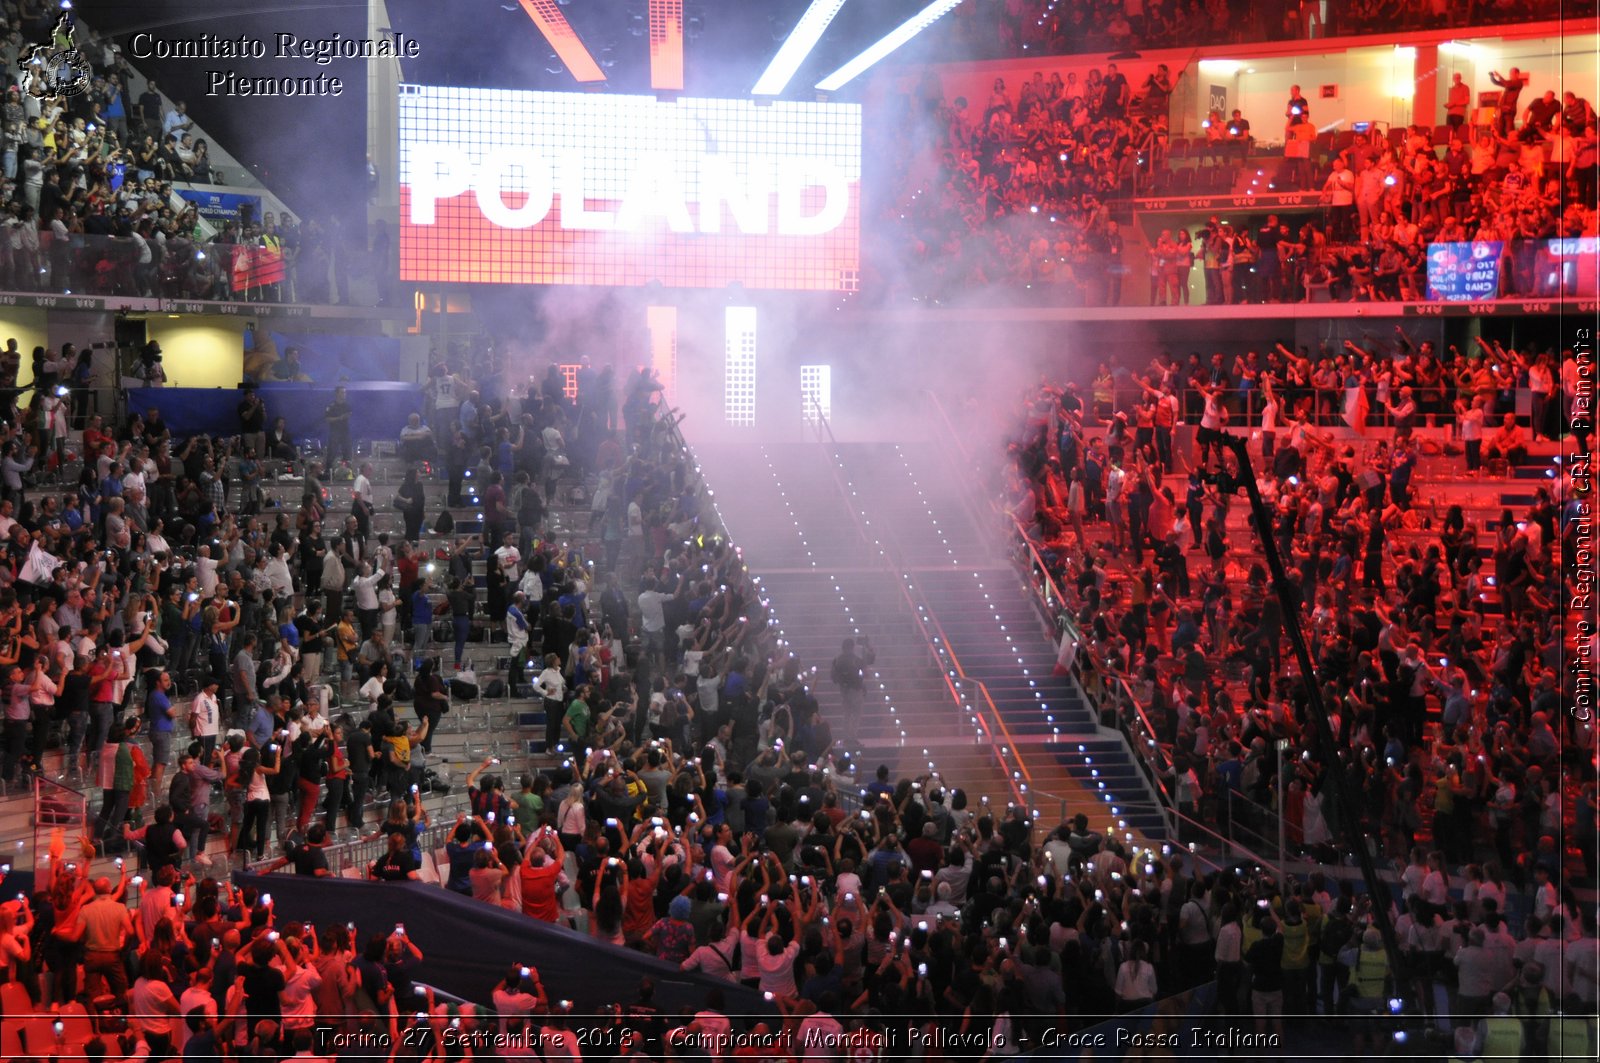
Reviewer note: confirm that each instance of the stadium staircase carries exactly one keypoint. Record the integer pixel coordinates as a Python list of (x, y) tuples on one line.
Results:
[(875, 539), (991, 633), (781, 507)]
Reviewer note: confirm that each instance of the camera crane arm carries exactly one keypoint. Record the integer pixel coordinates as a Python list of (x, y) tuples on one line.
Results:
[(1347, 803)]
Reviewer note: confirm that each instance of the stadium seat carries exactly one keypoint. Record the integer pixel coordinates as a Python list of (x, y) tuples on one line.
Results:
[(14, 1001), (75, 1017)]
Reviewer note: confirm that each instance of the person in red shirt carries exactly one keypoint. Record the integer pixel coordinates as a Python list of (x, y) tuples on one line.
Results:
[(94, 437), (496, 517), (925, 852), (541, 877), (103, 676), (409, 563)]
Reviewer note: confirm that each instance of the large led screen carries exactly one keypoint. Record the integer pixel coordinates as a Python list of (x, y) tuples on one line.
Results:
[(510, 187)]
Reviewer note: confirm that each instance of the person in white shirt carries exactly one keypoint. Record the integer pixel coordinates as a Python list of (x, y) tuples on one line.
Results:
[(365, 589), (153, 1008), (205, 567), (820, 1035), (517, 996), (1500, 949), (278, 575), (652, 617), (508, 557), (1136, 979), (1546, 901), (204, 714), (715, 958), (1469, 415), (313, 722), (1058, 851), (298, 995), (710, 1028), (1436, 882), (198, 995), (1229, 958), (388, 604), (551, 685), (283, 665), (776, 963)]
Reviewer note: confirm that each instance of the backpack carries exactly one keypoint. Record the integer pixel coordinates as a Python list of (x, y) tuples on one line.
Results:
[(445, 524), (332, 573)]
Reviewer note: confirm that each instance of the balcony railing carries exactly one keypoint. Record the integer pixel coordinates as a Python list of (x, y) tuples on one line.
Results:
[(84, 264)]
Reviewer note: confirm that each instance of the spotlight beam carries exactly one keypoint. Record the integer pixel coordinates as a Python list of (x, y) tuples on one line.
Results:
[(804, 37), (559, 32), (666, 44), (896, 37)]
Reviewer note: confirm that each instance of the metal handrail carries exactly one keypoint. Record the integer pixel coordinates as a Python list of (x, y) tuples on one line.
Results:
[(1251, 803), (942, 640), (362, 851), (1036, 559), (1226, 844), (1017, 786), (1057, 612)]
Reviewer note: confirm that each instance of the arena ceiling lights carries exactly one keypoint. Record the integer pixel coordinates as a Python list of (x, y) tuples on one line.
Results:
[(666, 45), (897, 37), (559, 32), (804, 37), (666, 24)]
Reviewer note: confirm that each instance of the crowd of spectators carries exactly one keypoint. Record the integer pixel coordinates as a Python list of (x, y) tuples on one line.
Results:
[(1015, 29), (1021, 196), (1019, 192), (218, 667), (697, 807), (87, 179), (1438, 632), (179, 642)]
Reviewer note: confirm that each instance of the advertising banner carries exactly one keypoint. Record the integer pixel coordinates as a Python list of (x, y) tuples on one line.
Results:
[(514, 187), (217, 207)]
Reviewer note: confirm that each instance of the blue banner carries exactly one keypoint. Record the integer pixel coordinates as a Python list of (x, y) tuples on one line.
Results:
[(378, 410), (221, 206), (1464, 272), (329, 359)]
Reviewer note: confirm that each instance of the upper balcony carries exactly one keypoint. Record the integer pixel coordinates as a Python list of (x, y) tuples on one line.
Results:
[(990, 29)]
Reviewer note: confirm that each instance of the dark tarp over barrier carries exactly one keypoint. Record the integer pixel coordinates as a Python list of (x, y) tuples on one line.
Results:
[(328, 358), (468, 946), (378, 410)]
